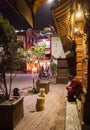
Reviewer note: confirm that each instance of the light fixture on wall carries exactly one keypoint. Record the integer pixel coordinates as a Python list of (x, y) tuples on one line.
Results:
[(79, 13), (78, 20), (76, 29), (86, 14)]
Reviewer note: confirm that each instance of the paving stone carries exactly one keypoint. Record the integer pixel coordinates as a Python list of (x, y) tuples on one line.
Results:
[(46, 119), (58, 114)]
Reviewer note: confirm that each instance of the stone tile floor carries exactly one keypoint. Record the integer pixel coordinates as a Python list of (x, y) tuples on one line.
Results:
[(53, 115), (58, 114), (72, 118)]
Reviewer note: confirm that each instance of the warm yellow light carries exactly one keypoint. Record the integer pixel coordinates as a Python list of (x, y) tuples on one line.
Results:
[(79, 14), (34, 69), (50, 0), (76, 30)]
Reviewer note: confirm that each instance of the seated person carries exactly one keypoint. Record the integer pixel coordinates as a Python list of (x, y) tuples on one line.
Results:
[(74, 89)]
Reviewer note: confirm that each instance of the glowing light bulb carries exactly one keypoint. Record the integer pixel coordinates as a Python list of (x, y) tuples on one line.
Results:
[(79, 14), (76, 29), (50, 0)]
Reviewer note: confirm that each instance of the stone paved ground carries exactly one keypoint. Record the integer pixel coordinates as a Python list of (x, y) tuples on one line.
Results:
[(58, 113), (54, 111), (72, 120)]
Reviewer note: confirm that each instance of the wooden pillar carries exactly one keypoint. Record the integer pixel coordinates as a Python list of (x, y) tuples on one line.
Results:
[(86, 112)]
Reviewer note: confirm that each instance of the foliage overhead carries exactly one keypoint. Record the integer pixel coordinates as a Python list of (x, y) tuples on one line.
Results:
[(32, 54)]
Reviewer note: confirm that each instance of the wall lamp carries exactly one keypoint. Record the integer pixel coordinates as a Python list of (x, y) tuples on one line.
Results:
[(79, 13)]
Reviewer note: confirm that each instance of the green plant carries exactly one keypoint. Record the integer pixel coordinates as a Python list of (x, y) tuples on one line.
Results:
[(9, 57), (33, 55), (53, 69)]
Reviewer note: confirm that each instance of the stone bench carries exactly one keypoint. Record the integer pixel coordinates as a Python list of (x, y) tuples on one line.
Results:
[(42, 84)]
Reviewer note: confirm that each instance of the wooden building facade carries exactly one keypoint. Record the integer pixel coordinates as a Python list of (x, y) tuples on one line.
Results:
[(73, 27)]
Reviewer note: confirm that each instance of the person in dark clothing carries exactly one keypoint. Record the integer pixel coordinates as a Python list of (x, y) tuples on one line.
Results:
[(74, 89), (16, 92)]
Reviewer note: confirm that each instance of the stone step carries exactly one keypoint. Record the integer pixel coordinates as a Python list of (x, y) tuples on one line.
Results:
[(61, 80)]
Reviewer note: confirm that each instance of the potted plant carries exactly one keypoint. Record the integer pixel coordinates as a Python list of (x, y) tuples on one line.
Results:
[(9, 62), (31, 56)]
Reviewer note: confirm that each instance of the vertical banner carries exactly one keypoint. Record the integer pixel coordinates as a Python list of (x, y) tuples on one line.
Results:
[(57, 48)]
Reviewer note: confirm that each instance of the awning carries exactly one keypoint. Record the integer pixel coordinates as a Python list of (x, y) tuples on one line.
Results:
[(26, 8), (62, 17)]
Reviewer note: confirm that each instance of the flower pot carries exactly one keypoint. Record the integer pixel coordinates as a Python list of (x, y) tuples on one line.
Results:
[(11, 112)]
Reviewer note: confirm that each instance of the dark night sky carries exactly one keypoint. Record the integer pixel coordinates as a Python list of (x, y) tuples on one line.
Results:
[(43, 17)]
